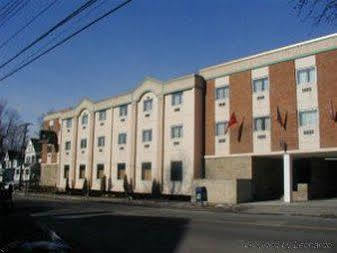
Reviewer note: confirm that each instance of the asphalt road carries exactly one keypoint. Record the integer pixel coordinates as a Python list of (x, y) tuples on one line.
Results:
[(107, 227)]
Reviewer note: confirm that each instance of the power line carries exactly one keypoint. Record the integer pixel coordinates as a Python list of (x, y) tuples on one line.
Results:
[(60, 34), (66, 39), (9, 9), (15, 12), (59, 24), (28, 24)]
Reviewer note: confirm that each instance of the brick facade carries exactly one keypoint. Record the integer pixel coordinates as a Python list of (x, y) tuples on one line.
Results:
[(327, 89), (283, 95), (241, 104)]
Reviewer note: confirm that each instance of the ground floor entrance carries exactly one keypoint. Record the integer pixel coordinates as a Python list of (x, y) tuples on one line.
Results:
[(294, 177)]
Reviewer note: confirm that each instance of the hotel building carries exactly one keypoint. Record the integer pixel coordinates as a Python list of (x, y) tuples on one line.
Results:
[(282, 142)]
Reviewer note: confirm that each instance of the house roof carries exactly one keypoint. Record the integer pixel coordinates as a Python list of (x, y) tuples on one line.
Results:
[(36, 144)]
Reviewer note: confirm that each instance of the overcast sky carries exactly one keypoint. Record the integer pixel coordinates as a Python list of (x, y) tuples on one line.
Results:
[(159, 38)]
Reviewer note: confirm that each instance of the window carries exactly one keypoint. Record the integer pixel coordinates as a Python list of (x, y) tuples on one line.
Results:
[(27, 172), (307, 75), (67, 145), (176, 132), (83, 143), (222, 92), (28, 159), (102, 115), (120, 171), (176, 171), (68, 123), (123, 110), (101, 141), (261, 124), (146, 171), (33, 159), (85, 119), (260, 84), (66, 171), (308, 118), (147, 105), (82, 171), (17, 172), (100, 171), (220, 128), (177, 98), (122, 138), (147, 135)]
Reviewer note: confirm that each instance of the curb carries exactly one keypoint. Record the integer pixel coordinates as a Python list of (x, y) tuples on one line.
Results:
[(238, 209)]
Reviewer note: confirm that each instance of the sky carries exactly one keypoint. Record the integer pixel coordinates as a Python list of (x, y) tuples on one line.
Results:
[(163, 39)]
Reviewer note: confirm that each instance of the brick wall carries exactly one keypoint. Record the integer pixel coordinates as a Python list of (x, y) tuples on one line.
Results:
[(327, 89), (56, 127), (241, 103), (210, 118), (283, 94)]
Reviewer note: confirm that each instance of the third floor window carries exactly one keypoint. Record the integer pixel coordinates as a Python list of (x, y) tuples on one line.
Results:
[(85, 119), (261, 84), (102, 115), (222, 92), (177, 98), (147, 105), (68, 123), (123, 110), (176, 132), (308, 118), (307, 75)]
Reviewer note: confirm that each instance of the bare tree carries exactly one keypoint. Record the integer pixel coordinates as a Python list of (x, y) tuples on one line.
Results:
[(321, 11), (39, 121), (11, 130)]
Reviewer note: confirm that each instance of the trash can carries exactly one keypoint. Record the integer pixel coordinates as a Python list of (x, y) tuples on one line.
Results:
[(201, 194)]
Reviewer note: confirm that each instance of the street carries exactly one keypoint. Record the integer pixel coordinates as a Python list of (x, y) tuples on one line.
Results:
[(107, 227)]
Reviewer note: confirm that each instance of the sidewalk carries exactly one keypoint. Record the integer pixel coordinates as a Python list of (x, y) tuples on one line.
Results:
[(326, 208)]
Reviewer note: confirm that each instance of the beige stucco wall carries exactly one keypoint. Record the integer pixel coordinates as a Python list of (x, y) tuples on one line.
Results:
[(101, 155), (121, 153), (184, 151), (148, 154)]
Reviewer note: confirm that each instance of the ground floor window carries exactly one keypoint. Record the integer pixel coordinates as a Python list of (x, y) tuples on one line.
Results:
[(82, 171), (100, 171), (120, 171), (146, 171), (176, 171), (66, 171)]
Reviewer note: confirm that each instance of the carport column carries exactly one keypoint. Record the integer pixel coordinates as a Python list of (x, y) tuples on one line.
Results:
[(287, 177)]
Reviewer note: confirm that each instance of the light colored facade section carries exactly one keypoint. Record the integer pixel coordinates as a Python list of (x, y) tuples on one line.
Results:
[(261, 109), (121, 153), (102, 152), (179, 149), (82, 154), (307, 101), (222, 114), (147, 149)]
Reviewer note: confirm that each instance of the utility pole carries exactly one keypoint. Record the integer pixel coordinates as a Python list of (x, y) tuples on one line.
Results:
[(22, 151)]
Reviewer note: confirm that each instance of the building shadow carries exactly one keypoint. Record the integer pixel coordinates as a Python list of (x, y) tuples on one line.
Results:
[(118, 233)]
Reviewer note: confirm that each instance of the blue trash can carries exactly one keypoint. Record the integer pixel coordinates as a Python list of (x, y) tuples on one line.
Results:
[(201, 194)]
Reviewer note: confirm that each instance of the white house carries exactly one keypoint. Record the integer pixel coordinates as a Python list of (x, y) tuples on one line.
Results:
[(32, 156)]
